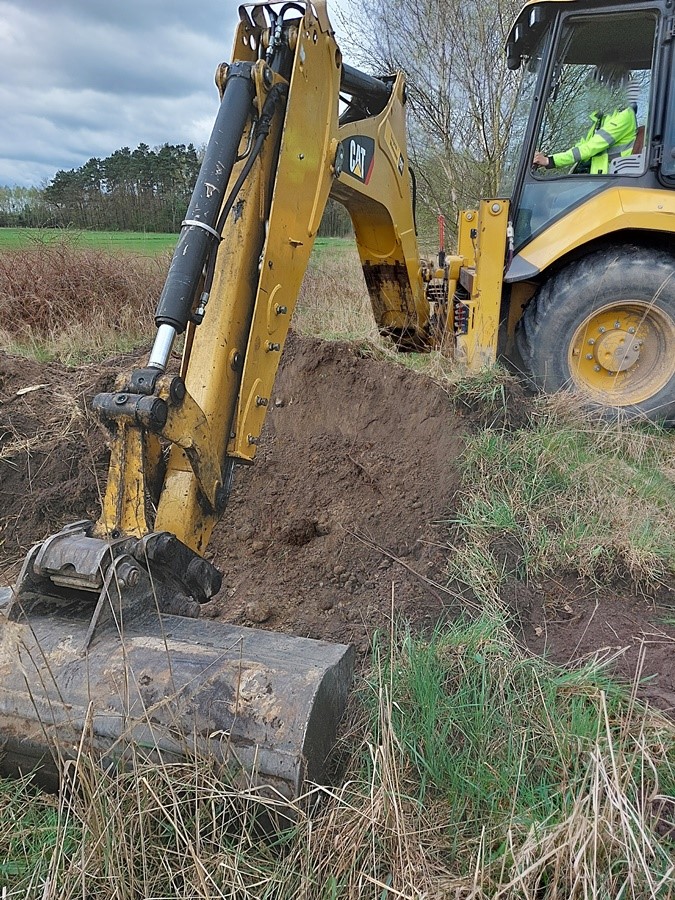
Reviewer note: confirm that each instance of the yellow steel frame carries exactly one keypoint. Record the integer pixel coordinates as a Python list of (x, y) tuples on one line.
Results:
[(615, 209), (482, 242), (234, 356), (303, 181), (381, 213), (123, 507)]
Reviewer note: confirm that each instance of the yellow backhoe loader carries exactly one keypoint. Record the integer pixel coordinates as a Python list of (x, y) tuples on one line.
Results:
[(569, 273)]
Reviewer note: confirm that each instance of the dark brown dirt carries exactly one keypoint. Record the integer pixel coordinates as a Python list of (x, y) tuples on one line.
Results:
[(342, 512), (342, 521), (572, 621)]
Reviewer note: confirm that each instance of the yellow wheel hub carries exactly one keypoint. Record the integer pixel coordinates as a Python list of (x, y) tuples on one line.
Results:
[(623, 353)]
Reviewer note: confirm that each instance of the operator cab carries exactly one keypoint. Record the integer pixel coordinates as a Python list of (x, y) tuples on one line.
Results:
[(566, 50)]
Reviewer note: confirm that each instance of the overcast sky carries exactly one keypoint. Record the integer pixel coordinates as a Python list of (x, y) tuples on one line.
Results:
[(82, 78)]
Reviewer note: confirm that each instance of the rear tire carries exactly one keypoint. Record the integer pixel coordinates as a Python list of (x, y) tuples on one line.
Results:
[(604, 329)]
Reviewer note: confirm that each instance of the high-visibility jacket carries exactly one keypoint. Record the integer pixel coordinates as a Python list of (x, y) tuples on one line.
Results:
[(610, 137)]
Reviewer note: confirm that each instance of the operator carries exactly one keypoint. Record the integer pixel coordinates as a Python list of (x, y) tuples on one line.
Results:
[(611, 135)]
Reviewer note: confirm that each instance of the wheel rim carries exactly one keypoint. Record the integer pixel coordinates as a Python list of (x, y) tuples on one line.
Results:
[(623, 353)]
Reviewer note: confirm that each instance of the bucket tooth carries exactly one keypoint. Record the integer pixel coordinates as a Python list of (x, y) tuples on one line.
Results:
[(115, 671)]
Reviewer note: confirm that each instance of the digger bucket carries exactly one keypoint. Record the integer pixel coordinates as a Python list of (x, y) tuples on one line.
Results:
[(165, 687)]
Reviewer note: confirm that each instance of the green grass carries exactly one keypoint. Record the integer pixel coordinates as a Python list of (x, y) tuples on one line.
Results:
[(32, 833), (137, 242), (474, 770), (333, 246), (569, 493)]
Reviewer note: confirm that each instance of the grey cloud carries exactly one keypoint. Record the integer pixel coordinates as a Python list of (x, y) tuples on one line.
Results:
[(55, 49), (201, 16), (81, 79)]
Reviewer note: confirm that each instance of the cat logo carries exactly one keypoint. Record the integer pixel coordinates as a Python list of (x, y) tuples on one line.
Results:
[(360, 157), (357, 159)]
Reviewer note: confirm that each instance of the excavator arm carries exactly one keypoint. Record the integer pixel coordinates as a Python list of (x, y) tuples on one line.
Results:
[(373, 181), (123, 589), (278, 151)]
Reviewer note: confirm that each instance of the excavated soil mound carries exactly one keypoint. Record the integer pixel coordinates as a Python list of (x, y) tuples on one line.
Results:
[(342, 521), (343, 510), (346, 507)]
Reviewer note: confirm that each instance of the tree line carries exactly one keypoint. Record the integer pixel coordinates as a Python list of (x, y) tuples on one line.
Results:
[(134, 190), (130, 190), (461, 108)]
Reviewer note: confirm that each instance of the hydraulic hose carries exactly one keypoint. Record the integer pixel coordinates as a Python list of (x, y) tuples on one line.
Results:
[(199, 231), (262, 129)]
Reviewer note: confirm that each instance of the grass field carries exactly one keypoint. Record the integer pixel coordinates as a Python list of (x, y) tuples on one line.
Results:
[(473, 770), (138, 242)]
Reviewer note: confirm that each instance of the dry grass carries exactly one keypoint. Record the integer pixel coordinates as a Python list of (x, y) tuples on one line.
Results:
[(333, 301), (475, 771), (63, 428), (58, 300)]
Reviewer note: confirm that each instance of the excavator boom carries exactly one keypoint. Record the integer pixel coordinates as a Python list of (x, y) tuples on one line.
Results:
[(100, 641), (101, 646)]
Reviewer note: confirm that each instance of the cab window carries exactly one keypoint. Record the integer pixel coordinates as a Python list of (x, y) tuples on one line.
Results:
[(595, 115)]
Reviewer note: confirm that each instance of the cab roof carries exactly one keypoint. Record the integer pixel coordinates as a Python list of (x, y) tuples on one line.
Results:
[(634, 45)]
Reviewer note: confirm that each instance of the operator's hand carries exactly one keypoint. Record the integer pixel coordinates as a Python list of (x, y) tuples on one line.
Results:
[(540, 159)]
